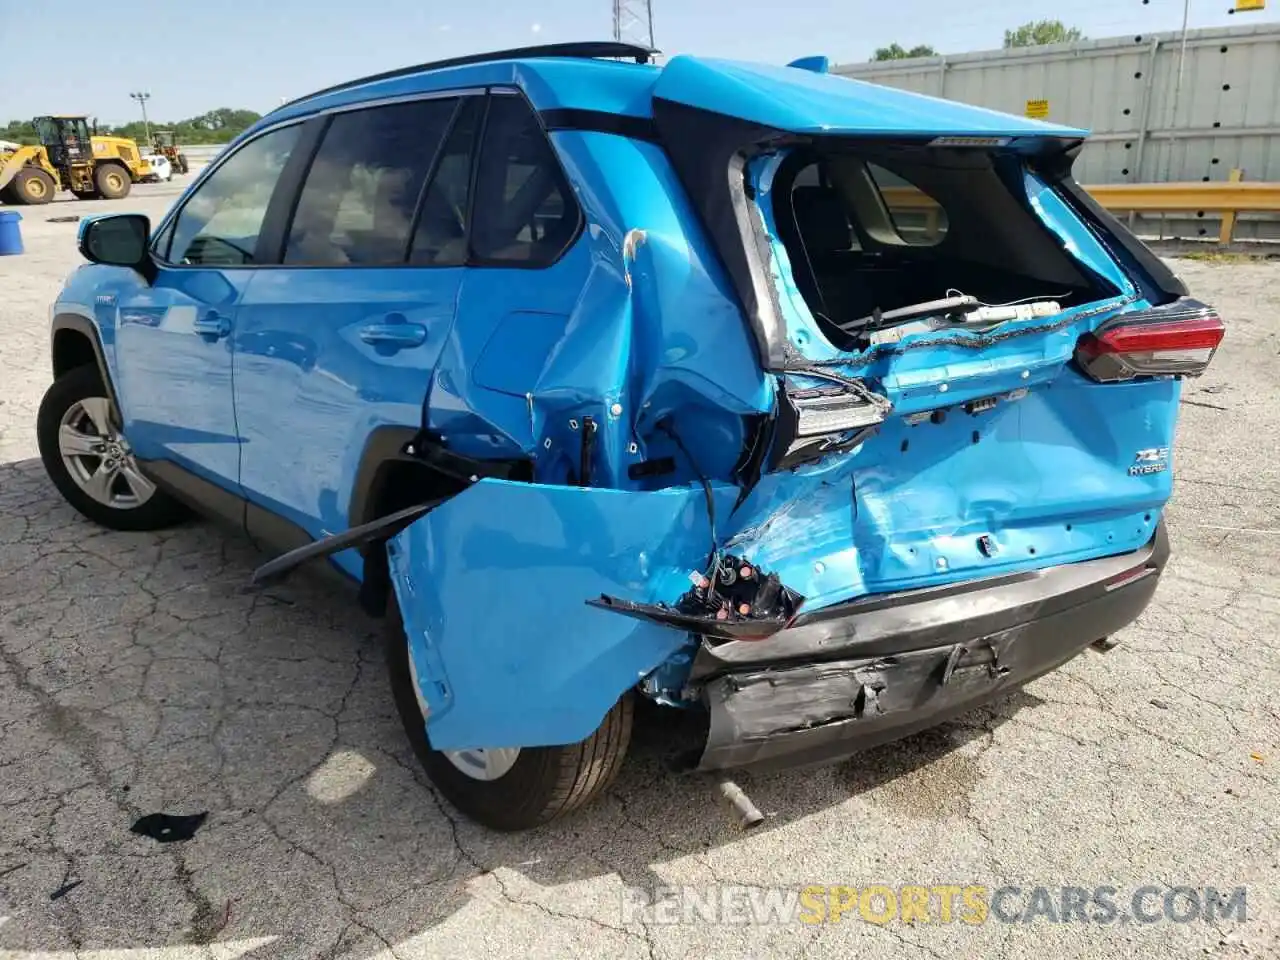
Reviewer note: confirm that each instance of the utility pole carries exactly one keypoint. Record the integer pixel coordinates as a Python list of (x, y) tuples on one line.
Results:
[(633, 21), (142, 96), (1177, 86)]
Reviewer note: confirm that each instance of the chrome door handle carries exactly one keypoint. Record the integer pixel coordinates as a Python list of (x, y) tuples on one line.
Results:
[(212, 326), (394, 334)]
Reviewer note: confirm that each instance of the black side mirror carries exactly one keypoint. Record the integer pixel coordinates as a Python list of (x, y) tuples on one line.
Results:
[(120, 240)]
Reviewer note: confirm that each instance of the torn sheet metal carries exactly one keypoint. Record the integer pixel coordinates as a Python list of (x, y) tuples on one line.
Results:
[(737, 601), (493, 585)]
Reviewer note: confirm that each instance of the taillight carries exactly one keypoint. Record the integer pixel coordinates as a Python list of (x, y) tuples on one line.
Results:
[(817, 422), (1178, 339)]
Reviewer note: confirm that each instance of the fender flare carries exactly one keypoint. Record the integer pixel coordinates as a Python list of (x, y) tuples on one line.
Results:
[(86, 328)]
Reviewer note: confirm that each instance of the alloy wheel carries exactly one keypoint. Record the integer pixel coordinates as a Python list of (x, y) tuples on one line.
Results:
[(98, 457)]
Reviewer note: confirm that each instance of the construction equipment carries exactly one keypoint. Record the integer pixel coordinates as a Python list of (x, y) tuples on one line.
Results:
[(68, 157), (165, 145)]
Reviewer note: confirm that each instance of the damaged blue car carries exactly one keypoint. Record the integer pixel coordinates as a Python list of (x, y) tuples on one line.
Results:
[(826, 410)]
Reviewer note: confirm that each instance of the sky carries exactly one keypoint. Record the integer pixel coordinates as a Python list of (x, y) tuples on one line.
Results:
[(64, 57)]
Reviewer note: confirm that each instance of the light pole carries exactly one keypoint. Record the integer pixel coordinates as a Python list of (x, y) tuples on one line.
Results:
[(142, 96)]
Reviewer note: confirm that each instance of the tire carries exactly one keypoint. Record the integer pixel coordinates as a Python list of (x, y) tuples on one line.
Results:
[(76, 393), (183, 168), (112, 181), (33, 186), (543, 784)]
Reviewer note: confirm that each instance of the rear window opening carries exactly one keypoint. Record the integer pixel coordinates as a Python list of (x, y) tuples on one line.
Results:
[(874, 229)]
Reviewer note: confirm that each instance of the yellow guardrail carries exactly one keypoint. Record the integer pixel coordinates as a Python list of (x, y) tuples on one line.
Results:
[(1229, 198)]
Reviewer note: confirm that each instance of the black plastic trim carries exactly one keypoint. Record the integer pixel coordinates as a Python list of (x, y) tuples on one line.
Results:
[(601, 121), (86, 328), (278, 219), (1056, 171), (768, 716), (203, 496), (709, 151), (381, 529), (889, 624), (383, 446)]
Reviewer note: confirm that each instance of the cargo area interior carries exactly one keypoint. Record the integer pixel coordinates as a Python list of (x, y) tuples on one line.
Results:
[(883, 227)]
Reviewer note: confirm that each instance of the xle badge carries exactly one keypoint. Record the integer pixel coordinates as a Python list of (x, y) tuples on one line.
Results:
[(1150, 460)]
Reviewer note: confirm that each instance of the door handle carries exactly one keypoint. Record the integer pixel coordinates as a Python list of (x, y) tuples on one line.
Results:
[(212, 326), (394, 334)]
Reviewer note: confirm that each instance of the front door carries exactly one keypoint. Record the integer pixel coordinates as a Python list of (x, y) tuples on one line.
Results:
[(342, 338), (174, 337)]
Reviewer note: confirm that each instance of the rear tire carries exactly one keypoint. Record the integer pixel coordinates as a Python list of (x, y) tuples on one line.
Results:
[(543, 783), (76, 402), (33, 186), (182, 163), (112, 181)]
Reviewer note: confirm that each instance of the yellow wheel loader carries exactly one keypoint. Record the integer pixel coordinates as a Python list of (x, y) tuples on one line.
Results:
[(68, 157)]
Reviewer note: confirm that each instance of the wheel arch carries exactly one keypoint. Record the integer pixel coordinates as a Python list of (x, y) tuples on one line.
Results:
[(75, 343), (389, 479)]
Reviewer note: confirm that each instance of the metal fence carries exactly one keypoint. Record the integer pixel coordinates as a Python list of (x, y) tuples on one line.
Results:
[(1156, 114)]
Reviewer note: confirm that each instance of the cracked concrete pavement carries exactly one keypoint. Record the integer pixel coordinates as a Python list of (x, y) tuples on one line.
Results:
[(138, 674)]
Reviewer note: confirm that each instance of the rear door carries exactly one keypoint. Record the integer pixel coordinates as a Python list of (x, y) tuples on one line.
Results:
[(173, 341), (341, 338)]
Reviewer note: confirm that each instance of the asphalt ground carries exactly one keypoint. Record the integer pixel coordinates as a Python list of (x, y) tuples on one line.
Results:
[(139, 675)]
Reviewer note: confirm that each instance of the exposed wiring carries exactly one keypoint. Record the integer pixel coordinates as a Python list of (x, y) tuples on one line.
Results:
[(714, 565), (953, 292)]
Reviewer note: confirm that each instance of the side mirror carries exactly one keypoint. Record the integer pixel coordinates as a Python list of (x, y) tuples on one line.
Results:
[(119, 240)]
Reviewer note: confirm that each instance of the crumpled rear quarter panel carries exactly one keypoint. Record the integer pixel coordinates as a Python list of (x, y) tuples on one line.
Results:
[(493, 587)]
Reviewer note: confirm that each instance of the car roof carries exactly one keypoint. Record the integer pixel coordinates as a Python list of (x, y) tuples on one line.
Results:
[(791, 99)]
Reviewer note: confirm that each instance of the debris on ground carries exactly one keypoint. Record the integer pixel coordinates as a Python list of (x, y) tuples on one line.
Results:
[(167, 827)]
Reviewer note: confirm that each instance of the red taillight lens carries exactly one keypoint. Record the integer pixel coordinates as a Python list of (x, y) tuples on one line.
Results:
[(1174, 340)]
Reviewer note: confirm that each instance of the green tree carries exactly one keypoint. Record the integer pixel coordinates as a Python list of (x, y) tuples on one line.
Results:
[(1039, 32), (896, 52), (19, 131)]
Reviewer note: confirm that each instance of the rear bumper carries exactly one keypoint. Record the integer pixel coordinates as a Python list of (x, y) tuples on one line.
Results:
[(868, 672)]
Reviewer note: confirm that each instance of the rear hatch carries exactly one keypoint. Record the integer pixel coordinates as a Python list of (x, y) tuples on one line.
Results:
[(977, 369)]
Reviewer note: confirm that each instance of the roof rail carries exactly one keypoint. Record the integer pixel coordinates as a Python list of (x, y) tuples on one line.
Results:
[(587, 50)]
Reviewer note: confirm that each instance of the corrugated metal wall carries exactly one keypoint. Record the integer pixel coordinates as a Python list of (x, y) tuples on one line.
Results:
[(1125, 90)]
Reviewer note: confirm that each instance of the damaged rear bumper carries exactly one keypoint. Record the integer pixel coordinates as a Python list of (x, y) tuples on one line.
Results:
[(868, 672)]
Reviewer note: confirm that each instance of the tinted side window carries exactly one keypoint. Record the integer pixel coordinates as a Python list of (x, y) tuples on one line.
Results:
[(524, 210), (219, 225), (441, 237), (357, 203)]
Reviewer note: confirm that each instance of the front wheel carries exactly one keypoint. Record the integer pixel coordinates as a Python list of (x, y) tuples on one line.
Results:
[(90, 462), (112, 181), (512, 788), (33, 185)]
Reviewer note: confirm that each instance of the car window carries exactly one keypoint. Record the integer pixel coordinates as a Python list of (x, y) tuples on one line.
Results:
[(357, 203), (918, 219), (219, 224), (441, 236), (524, 211)]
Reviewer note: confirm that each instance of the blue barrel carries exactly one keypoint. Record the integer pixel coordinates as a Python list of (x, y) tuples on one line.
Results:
[(10, 233)]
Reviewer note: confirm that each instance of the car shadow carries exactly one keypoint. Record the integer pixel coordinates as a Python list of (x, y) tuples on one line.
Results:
[(139, 673)]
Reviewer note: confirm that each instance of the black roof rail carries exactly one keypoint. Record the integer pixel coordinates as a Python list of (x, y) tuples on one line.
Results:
[(590, 49)]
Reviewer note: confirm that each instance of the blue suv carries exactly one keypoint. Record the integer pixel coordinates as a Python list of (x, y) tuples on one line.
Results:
[(826, 410)]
